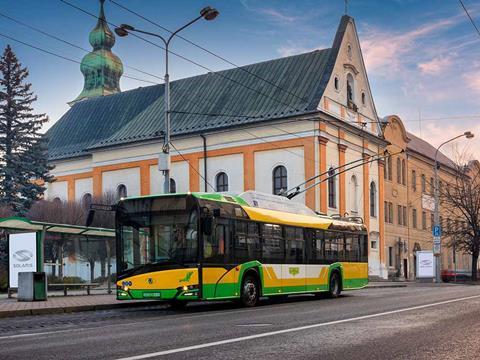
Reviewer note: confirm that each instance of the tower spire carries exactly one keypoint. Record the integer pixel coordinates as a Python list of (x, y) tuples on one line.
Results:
[(101, 68)]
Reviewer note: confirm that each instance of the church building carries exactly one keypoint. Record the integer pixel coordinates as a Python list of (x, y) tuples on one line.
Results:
[(267, 126)]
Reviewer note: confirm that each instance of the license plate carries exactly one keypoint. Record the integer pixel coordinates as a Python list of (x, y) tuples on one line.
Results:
[(151, 295)]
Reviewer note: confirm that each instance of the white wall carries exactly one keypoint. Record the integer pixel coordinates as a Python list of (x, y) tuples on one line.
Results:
[(57, 189), (128, 177), (179, 172), (291, 158), (232, 165), (82, 187)]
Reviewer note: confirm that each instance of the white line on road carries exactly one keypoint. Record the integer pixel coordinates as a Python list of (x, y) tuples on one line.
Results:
[(37, 334), (278, 332)]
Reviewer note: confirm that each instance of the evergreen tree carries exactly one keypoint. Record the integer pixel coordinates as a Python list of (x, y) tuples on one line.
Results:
[(23, 150)]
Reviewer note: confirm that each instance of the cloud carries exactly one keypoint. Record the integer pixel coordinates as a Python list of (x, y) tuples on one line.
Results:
[(291, 48), (271, 13), (435, 66), (387, 52), (472, 79), (436, 134)]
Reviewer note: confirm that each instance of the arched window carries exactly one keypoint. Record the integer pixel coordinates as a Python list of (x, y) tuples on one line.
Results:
[(86, 201), (399, 171), (221, 182), (173, 186), (354, 194), (332, 194), (335, 81), (57, 201), (350, 88), (373, 199), (404, 172), (363, 98), (121, 191), (279, 179)]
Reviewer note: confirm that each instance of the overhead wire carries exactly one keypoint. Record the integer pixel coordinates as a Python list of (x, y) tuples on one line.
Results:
[(193, 167), (64, 57), (31, 27)]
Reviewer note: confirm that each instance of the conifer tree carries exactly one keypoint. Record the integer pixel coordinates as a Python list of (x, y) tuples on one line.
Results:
[(23, 150)]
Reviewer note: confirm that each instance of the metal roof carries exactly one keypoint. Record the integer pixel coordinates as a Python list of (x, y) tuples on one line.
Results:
[(228, 98), (19, 223), (424, 148)]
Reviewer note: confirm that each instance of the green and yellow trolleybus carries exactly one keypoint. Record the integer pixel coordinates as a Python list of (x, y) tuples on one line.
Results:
[(215, 246)]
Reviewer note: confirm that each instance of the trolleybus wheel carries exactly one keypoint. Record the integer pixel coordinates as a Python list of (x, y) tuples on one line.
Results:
[(250, 291), (335, 287)]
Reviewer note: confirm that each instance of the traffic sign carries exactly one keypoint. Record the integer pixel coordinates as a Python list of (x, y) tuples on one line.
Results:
[(437, 230), (436, 240), (436, 249)]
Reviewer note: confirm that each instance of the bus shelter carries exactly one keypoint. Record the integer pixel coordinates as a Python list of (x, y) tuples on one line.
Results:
[(70, 255)]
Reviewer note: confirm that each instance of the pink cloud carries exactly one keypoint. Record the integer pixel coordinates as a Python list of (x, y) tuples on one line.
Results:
[(435, 66), (384, 51)]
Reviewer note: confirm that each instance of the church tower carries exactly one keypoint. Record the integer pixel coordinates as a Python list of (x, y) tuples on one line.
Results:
[(101, 68)]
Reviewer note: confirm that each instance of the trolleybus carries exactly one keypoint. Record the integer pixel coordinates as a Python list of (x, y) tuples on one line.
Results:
[(216, 246)]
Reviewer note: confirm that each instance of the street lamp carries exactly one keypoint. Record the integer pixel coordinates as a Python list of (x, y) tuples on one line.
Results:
[(437, 247), (123, 30)]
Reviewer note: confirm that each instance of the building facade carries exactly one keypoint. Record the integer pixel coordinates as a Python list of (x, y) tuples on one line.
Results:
[(266, 127), (409, 202)]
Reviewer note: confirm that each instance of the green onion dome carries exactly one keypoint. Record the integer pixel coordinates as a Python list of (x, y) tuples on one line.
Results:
[(101, 68)]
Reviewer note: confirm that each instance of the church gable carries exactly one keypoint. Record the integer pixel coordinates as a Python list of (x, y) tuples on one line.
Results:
[(347, 94)]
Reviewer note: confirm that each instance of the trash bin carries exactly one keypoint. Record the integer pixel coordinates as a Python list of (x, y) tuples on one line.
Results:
[(32, 286)]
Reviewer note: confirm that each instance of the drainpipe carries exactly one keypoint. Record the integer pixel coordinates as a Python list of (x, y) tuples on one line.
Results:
[(204, 162)]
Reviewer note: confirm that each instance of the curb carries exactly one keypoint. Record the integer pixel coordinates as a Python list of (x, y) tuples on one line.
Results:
[(72, 309), (386, 286)]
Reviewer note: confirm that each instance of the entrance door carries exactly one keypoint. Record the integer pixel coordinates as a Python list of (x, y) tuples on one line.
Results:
[(405, 269)]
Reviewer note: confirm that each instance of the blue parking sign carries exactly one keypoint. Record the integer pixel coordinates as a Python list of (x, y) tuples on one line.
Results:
[(437, 231)]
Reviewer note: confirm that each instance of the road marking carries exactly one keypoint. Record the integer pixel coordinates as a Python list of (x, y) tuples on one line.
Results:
[(279, 332), (253, 325), (37, 334)]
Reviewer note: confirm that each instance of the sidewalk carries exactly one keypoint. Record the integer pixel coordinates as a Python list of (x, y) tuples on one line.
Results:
[(64, 304)]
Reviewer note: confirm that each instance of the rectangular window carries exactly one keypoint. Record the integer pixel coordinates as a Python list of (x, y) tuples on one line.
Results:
[(432, 221), (424, 183), (334, 244), (318, 244), (424, 220), (399, 215), (414, 180), (246, 242), (432, 186), (390, 256), (414, 218), (386, 215), (405, 218), (390, 211), (294, 245), (273, 244)]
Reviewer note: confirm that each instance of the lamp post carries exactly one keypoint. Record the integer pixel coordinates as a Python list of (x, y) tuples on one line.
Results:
[(206, 13), (436, 216)]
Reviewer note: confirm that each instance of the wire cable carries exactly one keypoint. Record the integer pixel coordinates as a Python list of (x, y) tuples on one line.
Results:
[(193, 168), (64, 57), (470, 17), (72, 44)]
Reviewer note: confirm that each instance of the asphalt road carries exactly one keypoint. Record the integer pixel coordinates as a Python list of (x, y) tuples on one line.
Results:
[(416, 322)]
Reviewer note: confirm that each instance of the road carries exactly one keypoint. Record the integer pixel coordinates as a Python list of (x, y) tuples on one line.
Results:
[(419, 321)]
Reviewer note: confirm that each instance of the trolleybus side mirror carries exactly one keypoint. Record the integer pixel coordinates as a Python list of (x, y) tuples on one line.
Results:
[(207, 225)]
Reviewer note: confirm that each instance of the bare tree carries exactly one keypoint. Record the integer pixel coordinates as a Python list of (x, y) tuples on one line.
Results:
[(461, 199)]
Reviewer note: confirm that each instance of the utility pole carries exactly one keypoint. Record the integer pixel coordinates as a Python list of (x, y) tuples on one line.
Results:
[(164, 160)]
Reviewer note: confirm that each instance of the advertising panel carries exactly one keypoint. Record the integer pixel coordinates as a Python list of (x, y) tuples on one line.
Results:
[(22, 255), (425, 264)]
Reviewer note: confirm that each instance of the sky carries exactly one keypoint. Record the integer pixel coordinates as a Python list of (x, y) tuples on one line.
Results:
[(422, 56)]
